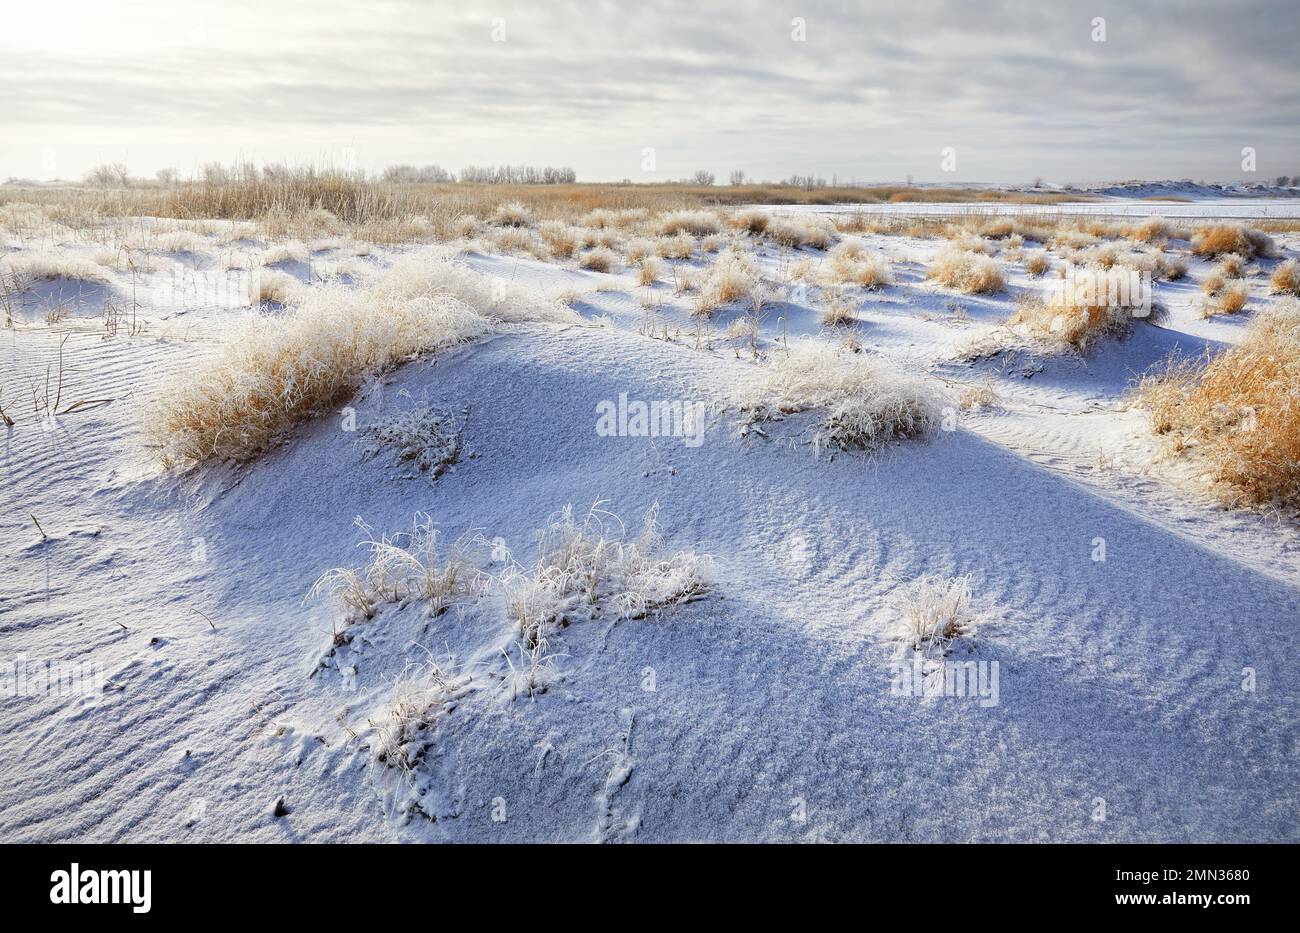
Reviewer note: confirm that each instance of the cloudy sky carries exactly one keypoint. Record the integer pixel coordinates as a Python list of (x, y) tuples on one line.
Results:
[(868, 91)]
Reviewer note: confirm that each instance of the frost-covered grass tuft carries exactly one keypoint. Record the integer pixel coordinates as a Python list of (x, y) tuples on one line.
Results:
[(1227, 299), (285, 369), (560, 238), (421, 435), (288, 251), (839, 312), (1286, 278), (180, 241), (413, 565), (518, 240), (1037, 263), (1240, 411), (512, 214), (650, 270), (1213, 240), (799, 232), (1150, 230), (696, 223), (866, 403), (868, 271), (599, 259), (677, 246), (752, 222), (934, 612), (274, 285), (732, 278), (1072, 325), (408, 725), (22, 270), (586, 567), (966, 271)]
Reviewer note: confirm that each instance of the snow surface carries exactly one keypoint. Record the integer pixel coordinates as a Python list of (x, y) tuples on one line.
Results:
[(771, 715), (1280, 208)]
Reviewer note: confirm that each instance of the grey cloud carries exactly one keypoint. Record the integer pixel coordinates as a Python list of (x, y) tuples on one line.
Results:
[(720, 81)]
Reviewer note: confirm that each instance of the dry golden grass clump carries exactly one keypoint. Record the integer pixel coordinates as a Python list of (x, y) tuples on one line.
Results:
[(599, 259), (732, 278), (518, 240), (784, 232), (650, 270), (997, 228), (861, 222), (273, 285), (465, 227), (1037, 263), (848, 251), (865, 403), (1151, 230), (1213, 240), (1240, 412), (638, 248), (412, 565), (1286, 278), (560, 238), (599, 219), (854, 266), (586, 569), (1016, 230), (678, 246), (751, 221), (935, 612), (512, 214), (1231, 266), (967, 272), (1067, 322), (818, 236), (1101, 229), (696, 223), (969, 242), (603, 218), (1111, 256), (1229, 299), (1213, 283), (609, 238), (1072, 239), (793, 233), (285, 369), (1171, 269), (839, 312)]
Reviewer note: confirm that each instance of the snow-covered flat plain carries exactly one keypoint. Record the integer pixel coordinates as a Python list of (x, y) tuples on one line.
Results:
[(1134, 664), (1200, 208)]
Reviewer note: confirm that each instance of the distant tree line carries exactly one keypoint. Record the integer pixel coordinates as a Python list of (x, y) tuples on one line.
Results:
[(516, 175), (409, 174), (116, 175)]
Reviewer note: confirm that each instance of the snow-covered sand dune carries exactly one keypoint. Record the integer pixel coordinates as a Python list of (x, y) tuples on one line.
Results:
[(767, 710)]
